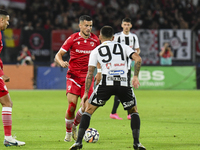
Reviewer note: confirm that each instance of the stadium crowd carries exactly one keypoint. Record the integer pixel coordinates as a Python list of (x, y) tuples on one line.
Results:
[(145, 14)]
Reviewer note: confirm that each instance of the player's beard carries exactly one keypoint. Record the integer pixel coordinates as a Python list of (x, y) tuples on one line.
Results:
[(4, 27), (86, 34)]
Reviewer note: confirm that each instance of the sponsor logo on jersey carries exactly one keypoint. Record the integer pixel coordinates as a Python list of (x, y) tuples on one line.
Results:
[(108, 65), (83, 51), (119, 64), (92, 43), (128, 104), (116, 72), (116, 78)]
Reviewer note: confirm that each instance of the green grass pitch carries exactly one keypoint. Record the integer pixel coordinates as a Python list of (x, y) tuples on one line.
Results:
[(170, 120)]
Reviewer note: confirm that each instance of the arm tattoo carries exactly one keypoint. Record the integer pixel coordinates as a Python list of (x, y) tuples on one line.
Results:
[(137, 68), (89, 78)]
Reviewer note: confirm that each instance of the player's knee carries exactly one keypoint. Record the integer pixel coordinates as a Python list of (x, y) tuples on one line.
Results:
[(11, 104), (71, 109), (133, 110), (7, 103), (90, 109)]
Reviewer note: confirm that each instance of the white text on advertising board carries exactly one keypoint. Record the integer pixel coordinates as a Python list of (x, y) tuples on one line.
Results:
[(151, 79)]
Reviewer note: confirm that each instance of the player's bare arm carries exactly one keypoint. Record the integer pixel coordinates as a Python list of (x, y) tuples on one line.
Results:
[(98, 75), (138, 50), (88, 82), (5, 78), (59, 60), (138, 61), (89, 77)]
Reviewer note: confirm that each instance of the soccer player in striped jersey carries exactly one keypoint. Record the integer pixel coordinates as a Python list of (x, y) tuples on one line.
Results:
[(113, 57), (5, 99), (80, 45), (131, 40)]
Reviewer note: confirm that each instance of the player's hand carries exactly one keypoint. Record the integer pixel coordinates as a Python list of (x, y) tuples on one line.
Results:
[(97, 78), (23, 54), (64, 64), (84, 98), (135, 82), (5, 78)]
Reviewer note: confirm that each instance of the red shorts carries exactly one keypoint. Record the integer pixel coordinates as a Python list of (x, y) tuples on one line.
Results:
[(3, 88), (77, 86)]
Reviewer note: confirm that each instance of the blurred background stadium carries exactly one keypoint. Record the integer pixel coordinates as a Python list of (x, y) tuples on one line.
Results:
[(43, 25)]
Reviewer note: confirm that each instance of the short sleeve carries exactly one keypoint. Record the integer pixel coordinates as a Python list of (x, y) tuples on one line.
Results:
[(136, 45), (93, 58), (129, 50), (67, 44)]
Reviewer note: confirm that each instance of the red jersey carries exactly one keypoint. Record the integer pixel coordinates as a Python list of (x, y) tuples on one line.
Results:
[(166, 53), (28, 53), (80, 50), (1, 43), (1, 63)]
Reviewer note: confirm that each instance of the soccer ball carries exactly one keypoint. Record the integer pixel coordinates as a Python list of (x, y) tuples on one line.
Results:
[(91, 135)]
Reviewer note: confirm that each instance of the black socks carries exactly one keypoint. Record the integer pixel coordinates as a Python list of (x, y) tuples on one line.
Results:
[(135, 126), (85, 122)]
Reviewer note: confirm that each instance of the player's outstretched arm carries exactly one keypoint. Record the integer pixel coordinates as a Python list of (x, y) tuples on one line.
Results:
[(59, 60)]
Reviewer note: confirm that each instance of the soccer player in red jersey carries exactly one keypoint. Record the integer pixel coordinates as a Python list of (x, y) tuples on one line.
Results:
[(4, 94), (80, 45)]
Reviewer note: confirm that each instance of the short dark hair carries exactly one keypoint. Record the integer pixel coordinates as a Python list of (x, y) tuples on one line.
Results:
[(85, 17), (23, 46), (126, 20), (3, 12), (107, 32)]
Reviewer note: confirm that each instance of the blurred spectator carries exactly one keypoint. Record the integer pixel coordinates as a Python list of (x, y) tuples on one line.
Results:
[(114, 4), (196, 24), (75, 25), (148, 20), (133, 7), (38, 26), (25, 57), (151, 14), (166, 55), (182, 23), (29, 26), (47, 25)]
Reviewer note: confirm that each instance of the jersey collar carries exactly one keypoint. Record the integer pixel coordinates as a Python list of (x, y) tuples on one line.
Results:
[(83, 37), (125, 34), (105, 42)]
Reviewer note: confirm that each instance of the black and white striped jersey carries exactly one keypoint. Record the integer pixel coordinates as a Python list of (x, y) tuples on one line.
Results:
[(113, 57), (131, 39)]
